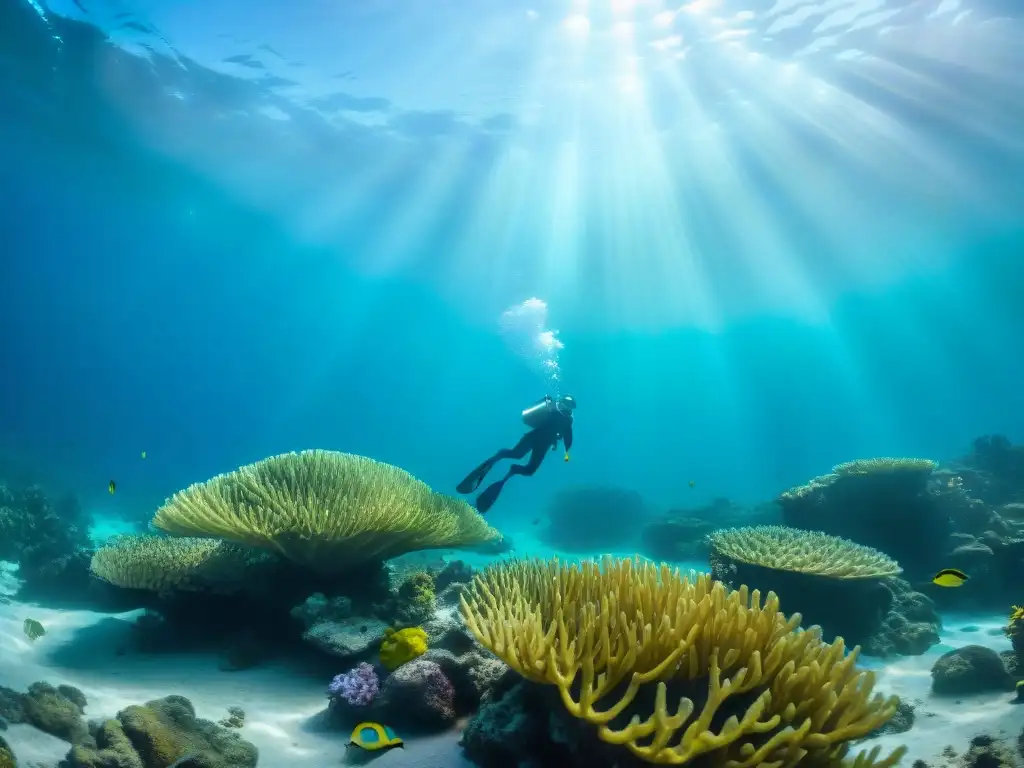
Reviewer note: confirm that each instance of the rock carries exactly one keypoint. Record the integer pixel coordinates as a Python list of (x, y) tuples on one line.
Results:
[(112, 750), (317, 607), (474, 675), (910, 627), (449, 596), (971, 669), (7, 755), (509, 730), (355, 636), (901, 722), (165, 730), (12, 709), (447, 630), (455, 572), (53, 712), (988, 752), (418, 694)]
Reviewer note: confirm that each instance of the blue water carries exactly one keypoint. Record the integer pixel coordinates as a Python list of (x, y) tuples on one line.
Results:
[(149, 305)]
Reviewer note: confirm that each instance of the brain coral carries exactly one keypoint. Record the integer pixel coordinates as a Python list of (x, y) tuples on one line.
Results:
[(761, 691), (798, 551), (331, 511)]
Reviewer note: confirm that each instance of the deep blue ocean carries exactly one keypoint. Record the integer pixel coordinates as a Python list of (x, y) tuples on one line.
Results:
[(153, 304)]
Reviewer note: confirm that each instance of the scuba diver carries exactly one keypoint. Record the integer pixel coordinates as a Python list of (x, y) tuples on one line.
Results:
[(549, 420)]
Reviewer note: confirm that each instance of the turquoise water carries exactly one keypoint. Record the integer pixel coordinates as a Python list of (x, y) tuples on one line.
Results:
[(752, 238)]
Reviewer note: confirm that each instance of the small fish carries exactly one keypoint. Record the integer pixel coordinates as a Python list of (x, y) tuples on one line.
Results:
[(693, 483), (111, 486), (949, 577), (373, 737), (143, 454), (33, 629), (536, 521)]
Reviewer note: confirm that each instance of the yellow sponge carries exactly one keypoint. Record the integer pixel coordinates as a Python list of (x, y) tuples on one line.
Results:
[(404, 645)]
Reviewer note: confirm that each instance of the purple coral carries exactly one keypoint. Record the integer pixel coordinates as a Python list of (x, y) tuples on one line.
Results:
[(358, 686)]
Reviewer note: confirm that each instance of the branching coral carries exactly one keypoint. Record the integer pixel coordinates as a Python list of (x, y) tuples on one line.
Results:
[(163, 563), (768, 693), (810, 552), (328, 510)]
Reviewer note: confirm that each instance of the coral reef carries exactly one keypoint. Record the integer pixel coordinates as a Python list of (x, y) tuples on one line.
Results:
[(813, 553), (910, 627), (880, 503), (831, 581), (971, 669), (187, 564), (762, 689), (157, 735), (53, 710), (592, 519), (967, 514), (49, 540), (326, 510)]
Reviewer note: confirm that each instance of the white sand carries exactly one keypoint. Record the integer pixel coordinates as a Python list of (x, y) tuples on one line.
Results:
[(281, 703), (947, 720)]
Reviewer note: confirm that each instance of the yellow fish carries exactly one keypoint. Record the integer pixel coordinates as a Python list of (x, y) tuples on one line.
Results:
[(33, 629), (950, 577), (374, 736), (143, 454), (111, 486)]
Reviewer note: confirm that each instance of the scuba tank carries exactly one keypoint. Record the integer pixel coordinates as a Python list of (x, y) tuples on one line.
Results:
[(536, 414)]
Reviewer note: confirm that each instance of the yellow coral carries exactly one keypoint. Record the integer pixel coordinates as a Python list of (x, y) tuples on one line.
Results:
[(591, 627), (1015, 626), (404, 645), (798, 551), (162, 563), (884, 465), (324, 509)]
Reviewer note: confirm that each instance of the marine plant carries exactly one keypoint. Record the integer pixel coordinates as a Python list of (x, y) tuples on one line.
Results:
[(401, 646), (359, 686), (165, 563), (810, 552), (764, 691), (327, 510)]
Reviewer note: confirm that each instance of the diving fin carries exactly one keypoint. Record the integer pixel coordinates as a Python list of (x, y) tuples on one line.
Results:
[(474, 478), (490, 495)]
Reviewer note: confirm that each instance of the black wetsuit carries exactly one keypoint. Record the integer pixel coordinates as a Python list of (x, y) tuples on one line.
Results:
[(537, 442)]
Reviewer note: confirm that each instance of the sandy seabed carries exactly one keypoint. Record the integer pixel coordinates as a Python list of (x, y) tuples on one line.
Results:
[(282, 703)]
